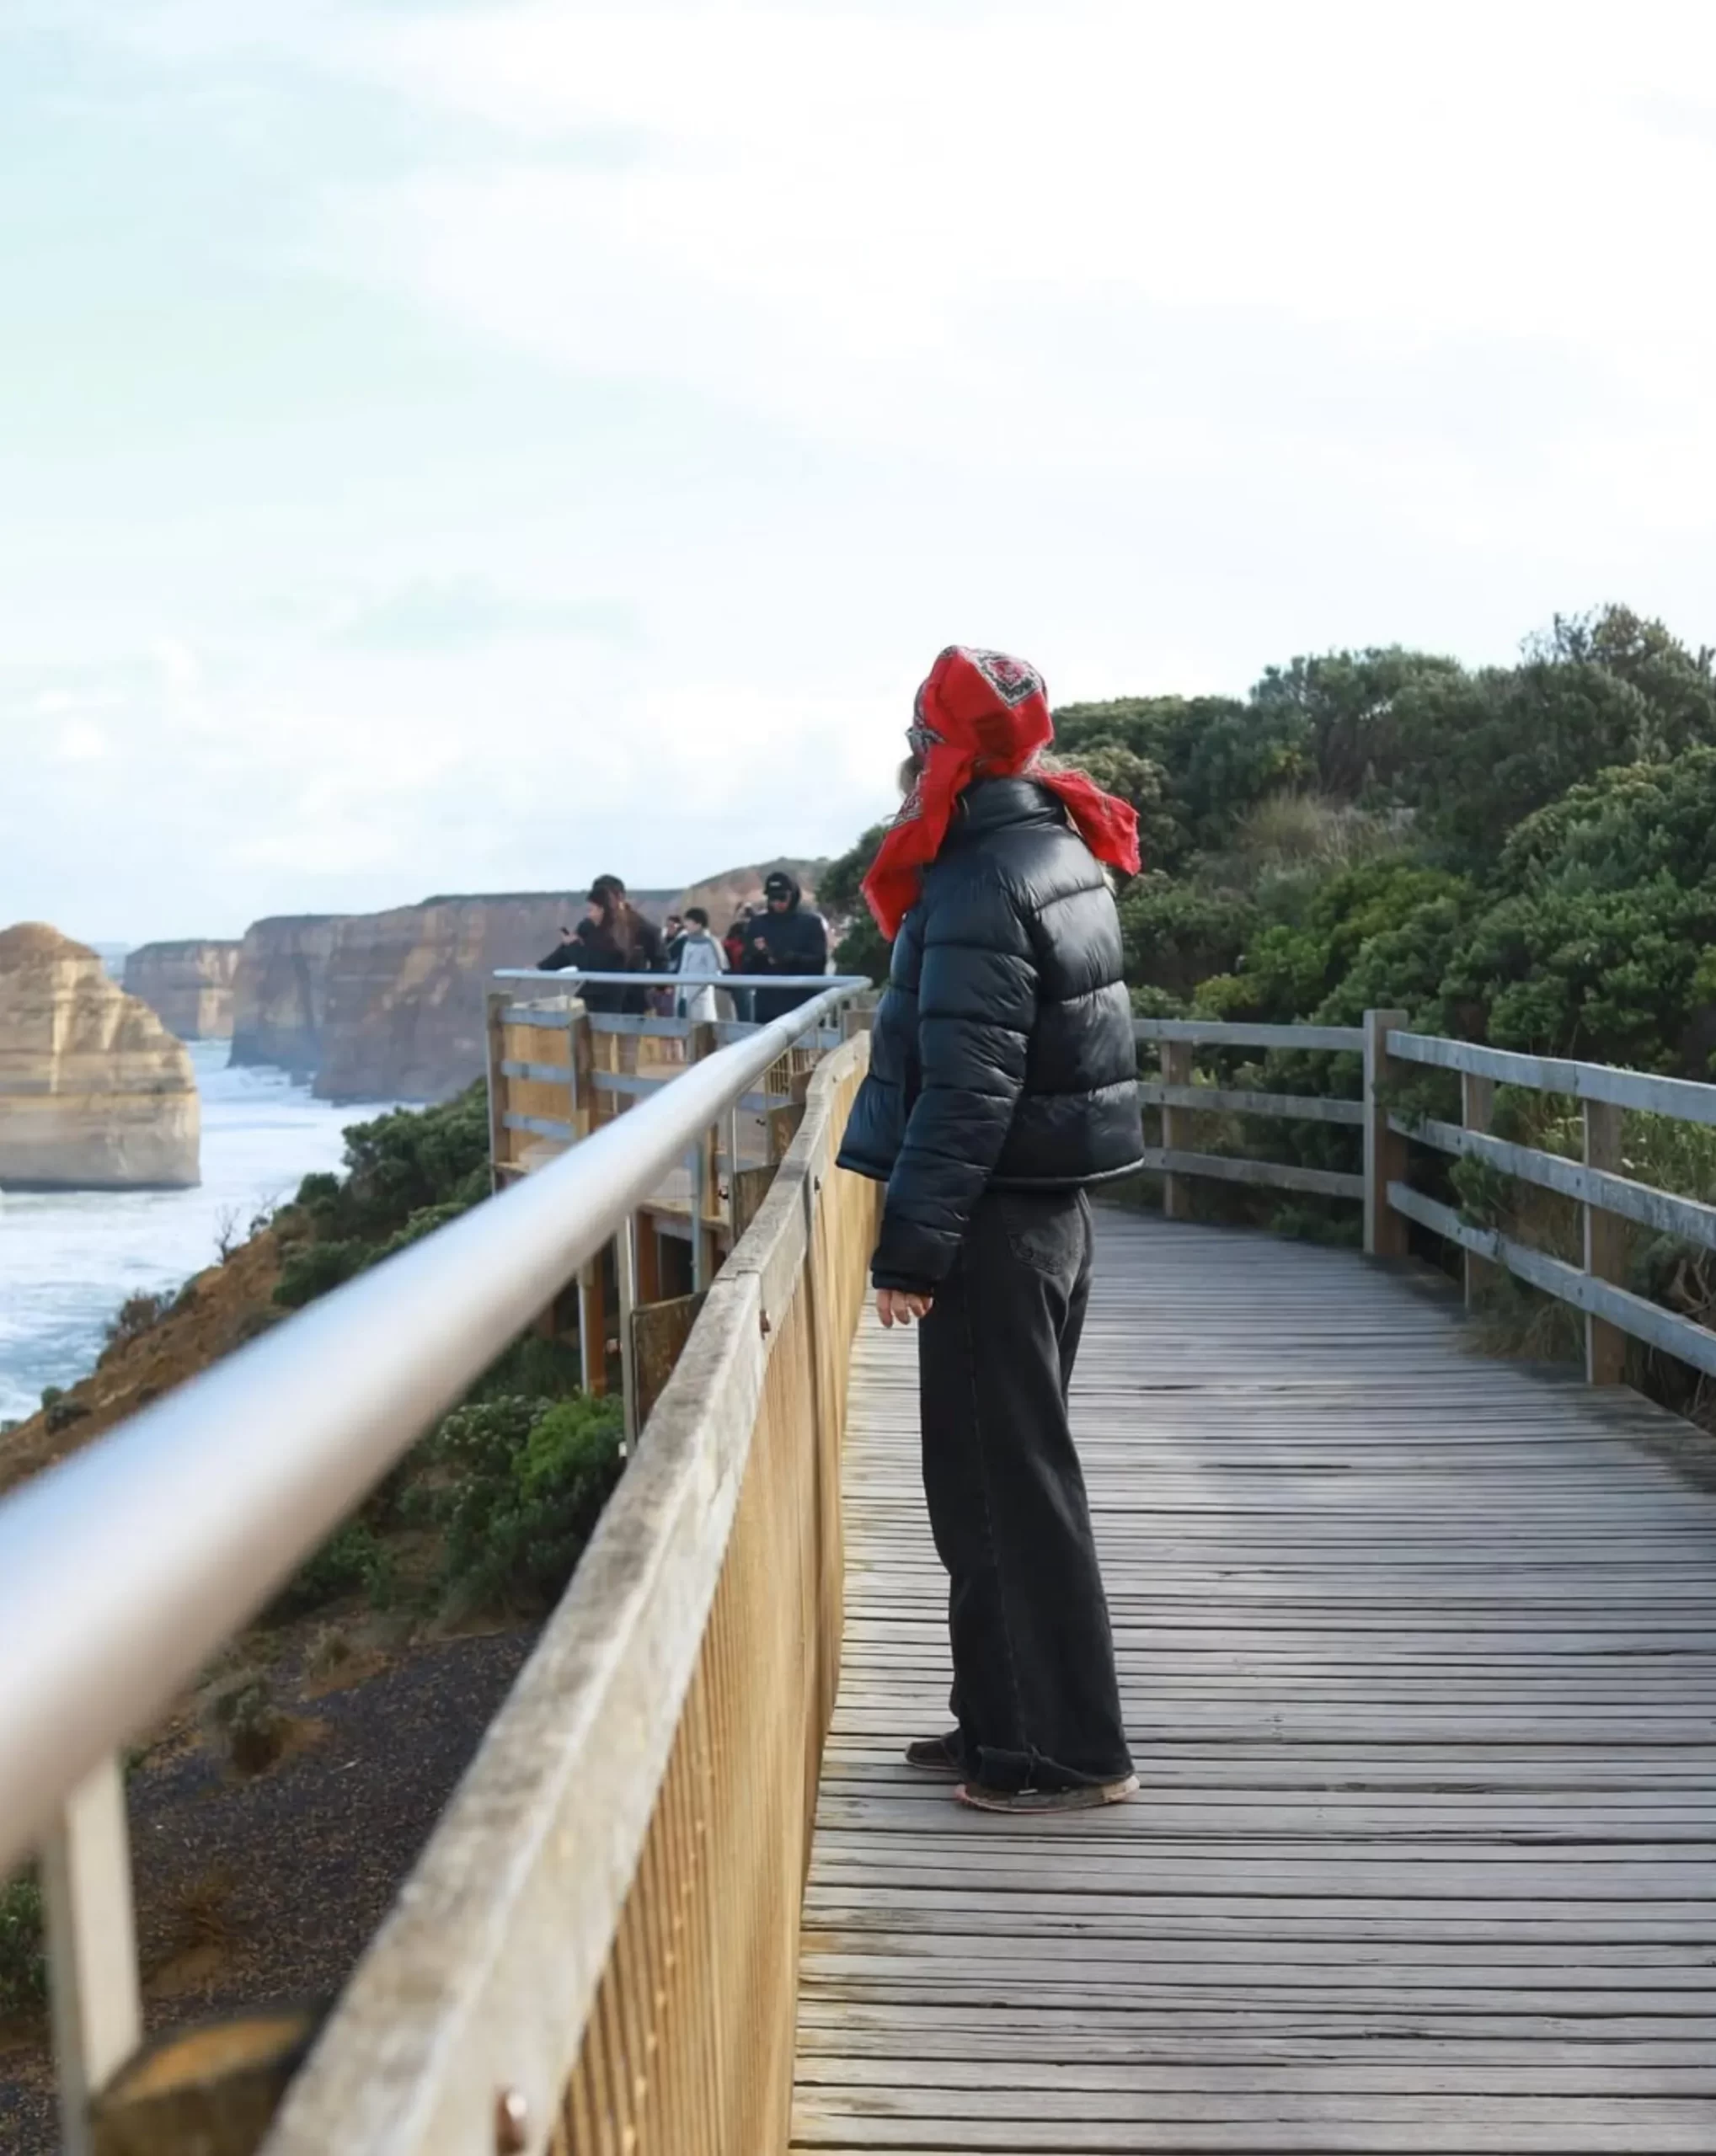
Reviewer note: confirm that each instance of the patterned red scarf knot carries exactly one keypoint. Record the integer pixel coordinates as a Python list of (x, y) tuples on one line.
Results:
[(983, 714)]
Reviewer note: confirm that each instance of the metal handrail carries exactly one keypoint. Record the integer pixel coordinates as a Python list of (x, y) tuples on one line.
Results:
[(657, 980), (122, 1570)]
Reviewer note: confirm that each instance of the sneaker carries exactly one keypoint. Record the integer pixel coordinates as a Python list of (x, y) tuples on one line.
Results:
[(936, 1755), (1033, 1801)]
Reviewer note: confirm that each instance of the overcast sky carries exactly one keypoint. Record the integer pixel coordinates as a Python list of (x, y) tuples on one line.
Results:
[(469, 447)]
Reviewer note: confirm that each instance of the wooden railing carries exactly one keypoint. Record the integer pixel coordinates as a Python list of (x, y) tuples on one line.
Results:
[(1391, 1056), (599, 1951), (176, 1537), (558, 1073), (1177, 1040), (1611, 1312)]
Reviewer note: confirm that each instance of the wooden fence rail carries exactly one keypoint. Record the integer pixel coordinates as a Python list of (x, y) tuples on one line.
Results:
[(1390, 1055), (598, 1952)]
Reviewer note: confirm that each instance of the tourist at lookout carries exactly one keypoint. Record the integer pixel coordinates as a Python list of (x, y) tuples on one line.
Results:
[(613, 937), (700, 958), (787, 938), (1002, 1083)]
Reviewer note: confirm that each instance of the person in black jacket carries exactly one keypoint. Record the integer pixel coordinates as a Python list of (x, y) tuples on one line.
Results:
[(613, 937), (1002, 1084), (787, 937)]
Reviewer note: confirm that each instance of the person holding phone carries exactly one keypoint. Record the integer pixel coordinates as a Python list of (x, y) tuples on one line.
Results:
[(613, 937), (787, 938)]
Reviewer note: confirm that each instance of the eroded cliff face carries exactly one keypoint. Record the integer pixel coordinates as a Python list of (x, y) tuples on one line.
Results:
[(189, 986), (405, 1008), (280, 991), (95, 1093)]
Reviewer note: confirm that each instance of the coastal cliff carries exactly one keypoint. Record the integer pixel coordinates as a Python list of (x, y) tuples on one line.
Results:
[(95, 1093), (404, 1009), (280, 991), (189, 986)]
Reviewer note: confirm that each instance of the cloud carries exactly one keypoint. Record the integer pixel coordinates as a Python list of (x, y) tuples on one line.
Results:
[(80, 743), (450, 613), (633, 397)]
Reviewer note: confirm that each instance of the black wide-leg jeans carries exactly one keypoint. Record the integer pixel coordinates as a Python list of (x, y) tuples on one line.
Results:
[(1035, 1695)]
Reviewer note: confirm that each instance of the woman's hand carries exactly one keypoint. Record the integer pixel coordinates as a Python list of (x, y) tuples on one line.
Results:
[(894, 1306)]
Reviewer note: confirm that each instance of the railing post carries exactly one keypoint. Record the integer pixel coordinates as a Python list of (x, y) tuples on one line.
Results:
[(1177, 1060), (626, 1278), (1384, 1150), (86, 1876), (495, 1031), (1477, 1113), (702, 1040), (1605, 1245)]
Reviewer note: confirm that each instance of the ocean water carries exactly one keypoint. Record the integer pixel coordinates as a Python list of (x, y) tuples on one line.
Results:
[(69, 1258)]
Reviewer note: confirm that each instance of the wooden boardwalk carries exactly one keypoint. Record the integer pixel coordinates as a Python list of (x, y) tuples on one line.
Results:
[(1419, 1652)]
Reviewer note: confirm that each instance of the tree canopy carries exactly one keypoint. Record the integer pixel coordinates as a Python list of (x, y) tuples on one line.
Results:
[(1524, 854)]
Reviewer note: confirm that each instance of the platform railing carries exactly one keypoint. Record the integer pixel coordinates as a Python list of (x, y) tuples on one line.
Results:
[(1390, 1057), (597, 1954), (123, 1570), (559, 1072)]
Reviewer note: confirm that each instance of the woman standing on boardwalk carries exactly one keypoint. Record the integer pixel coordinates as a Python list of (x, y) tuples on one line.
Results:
[(1002, 1083)]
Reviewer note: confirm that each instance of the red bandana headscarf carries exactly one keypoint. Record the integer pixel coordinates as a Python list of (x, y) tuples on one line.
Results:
[(980, 708)]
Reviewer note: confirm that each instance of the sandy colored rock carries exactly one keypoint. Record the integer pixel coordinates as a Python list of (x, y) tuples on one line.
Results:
[(188, 985), (405, 1012), (280, 991), (95, 1094)]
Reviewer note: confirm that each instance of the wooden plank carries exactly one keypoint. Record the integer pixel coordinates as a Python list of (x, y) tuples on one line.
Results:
[(540, 1126), (548, 1019), (1477, 1111), (1385, 1152), (1176, 1072), (1686, 1099), (1659, 1209), (1675, 1336), (1209, 1032), (1271, 1174), (660, 1331), (1416, 1659), (1218, 1100), (541, 1074), (1605, 1245)]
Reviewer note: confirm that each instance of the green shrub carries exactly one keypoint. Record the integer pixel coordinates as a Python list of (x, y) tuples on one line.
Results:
[(316, 1268), (137, 1314), (522, 1483), (351, 1561), (408, 1173), (23, 1967)]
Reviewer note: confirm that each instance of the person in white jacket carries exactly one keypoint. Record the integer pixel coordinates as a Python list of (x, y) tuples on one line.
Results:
[(701, 957)]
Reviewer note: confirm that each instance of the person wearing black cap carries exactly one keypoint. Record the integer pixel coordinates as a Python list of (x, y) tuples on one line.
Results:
[(788, 938)]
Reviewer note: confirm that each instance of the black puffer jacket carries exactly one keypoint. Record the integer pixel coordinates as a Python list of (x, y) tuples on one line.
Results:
[(1002, 1051), (795, 941)]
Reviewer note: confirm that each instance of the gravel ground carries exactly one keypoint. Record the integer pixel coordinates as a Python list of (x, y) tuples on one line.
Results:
[(258, 1890)]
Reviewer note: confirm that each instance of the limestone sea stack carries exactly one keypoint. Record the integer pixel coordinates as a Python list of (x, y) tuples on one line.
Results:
[(189, 986), (280, 991), (95, 1093)]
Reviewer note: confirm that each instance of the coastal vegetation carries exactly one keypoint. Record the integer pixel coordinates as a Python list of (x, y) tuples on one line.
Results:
[(1521, 855)]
